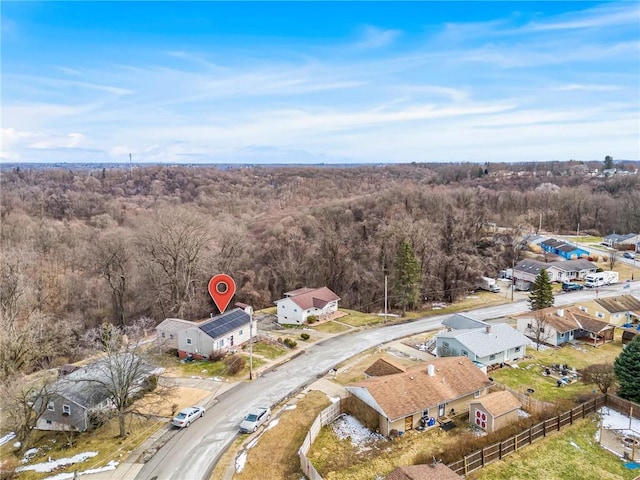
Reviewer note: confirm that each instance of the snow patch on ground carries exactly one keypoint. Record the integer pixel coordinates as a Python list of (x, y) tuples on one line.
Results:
[(7, 438), (540, 347), (28, 454), (252, 443), (241, 461), (348, 427), (522, 413), (68, 476), (272, 424), (615, 420), (53, 464), (289, 407), (333, 399)]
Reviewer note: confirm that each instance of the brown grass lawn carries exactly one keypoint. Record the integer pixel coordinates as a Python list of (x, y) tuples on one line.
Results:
[(103, 440), (529, 372), (555, 458), (275, 456)]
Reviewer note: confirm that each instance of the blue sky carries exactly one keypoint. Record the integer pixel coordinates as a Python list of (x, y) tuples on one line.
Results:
[(305, 82)]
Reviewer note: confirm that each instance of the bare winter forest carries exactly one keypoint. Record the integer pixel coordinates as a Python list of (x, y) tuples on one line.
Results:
[(83, 247)]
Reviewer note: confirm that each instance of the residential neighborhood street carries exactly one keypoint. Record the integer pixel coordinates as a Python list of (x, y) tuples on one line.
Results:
[(192, 453)]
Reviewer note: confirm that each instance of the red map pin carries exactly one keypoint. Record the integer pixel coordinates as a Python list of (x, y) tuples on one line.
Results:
[(222, 288)]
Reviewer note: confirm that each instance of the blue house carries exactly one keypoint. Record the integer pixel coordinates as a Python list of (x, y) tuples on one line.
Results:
[(563, 249), (569, 251)]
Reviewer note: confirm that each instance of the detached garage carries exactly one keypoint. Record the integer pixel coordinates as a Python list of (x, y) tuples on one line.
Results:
[(494, 411)]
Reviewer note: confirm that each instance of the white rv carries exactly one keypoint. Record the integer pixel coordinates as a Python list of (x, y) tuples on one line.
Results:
[(600, 279)]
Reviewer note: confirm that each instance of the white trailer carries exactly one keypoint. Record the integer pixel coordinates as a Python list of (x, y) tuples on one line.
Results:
[(599, 279), (488, 284)]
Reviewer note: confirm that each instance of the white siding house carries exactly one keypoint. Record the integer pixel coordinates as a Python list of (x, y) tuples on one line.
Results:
[(298, 305), (222, 333)]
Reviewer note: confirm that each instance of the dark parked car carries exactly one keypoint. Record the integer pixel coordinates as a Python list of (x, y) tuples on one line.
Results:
[(629, 255), (570, 287)]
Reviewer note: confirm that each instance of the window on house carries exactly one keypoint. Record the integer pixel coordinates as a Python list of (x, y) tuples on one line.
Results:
[(66, 410), (529, 326), (599, 314), (51, 407), (163, 335), (221, 343), (171, 336), (295, 309), (445, 345), (541, 329), (425, 413), (476, 394), (48, 422), (240, 333), (517, 349), (465, 353), (492, 357), (189, 342)]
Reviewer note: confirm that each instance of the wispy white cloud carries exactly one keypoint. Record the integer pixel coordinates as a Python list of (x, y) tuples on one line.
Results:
[(373, 37), (496, 90)]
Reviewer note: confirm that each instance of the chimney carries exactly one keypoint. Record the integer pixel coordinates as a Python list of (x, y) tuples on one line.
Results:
[(488, 328), (431, 370), (561, 312)]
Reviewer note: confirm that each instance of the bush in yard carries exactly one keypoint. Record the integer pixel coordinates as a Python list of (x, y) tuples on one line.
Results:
[(312, 319), (601, 375), (217, 355), (290, 343), (305, 336), (234, 364)]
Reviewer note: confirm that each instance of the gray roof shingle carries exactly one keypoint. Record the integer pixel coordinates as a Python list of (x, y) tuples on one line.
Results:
[(477, 340)]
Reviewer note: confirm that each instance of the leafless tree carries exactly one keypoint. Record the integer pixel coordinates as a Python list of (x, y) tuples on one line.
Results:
[(539, 329), (113, 261), (612, 260), (173, 246), (601, 375), (20, 410), (125, 370)]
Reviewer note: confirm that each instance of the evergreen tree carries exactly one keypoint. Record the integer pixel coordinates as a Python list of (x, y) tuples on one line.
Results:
[(406, 278), (627, 368), (608, 162), (541, 295)]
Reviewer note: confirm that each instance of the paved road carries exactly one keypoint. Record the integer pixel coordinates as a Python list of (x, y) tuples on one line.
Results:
[(193, 452)]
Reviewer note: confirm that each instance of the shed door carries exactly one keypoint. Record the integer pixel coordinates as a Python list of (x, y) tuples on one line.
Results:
[(408, 423)]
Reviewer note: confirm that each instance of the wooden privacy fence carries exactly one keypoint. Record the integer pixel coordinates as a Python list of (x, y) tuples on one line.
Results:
[(497, 451), (623, 406), (327, 416)]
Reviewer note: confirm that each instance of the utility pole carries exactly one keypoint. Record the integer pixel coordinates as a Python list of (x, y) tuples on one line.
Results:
[(130, 167), (513, 277), (251, 345), (385, 299)]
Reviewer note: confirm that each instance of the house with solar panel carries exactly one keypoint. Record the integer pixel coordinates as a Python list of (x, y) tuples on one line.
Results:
[(300, 304), (220, 334)]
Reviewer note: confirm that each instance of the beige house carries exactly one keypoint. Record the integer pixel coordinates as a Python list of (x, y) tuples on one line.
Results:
[(557, 326), (399, 401), (494, 411), (615, 310)]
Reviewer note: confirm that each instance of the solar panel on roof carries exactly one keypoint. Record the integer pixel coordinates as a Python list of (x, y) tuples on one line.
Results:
[(225, 323)]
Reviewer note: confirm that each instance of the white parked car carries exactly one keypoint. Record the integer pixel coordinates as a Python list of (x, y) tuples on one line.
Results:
[(254, 419), (187, 416)]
